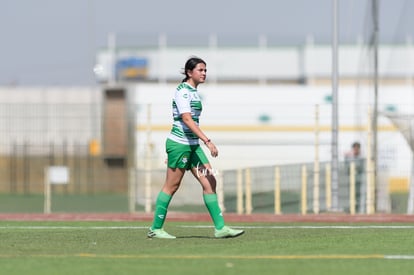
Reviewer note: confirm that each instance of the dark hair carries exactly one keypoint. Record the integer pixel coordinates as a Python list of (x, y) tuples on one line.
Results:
[(190, 65), (356, 144)]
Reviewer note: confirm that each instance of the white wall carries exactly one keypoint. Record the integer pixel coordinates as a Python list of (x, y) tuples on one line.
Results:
[(227, 106), (41, 115)]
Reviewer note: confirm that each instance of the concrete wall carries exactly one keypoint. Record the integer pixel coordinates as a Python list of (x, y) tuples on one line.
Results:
[(232, 118)]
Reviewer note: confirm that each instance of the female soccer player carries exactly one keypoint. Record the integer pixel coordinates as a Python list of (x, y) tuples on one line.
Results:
[(184, 153)]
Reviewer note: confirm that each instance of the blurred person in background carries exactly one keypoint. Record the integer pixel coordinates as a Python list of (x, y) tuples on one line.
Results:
[(354, 155)]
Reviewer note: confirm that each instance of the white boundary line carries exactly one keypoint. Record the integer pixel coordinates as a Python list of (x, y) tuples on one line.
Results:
[(86, 227), (312, 226), (46, 227), (399, 257), (228, 257)]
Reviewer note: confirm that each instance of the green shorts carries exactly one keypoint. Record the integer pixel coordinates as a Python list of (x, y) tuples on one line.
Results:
[(184, 156)]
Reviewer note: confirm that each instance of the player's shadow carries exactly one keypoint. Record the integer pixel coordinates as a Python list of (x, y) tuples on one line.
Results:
[(195, 237)]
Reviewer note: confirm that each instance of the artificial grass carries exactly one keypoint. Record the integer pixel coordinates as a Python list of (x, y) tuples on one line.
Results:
[(122, 248)]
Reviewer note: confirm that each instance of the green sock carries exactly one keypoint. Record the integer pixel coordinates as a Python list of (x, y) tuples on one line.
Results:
[(161, 208), (213, 207)]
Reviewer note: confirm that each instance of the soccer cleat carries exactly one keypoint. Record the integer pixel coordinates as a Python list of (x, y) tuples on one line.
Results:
[(159, 233), (227, 232)]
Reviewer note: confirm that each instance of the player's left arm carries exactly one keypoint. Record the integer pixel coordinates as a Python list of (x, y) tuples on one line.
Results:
[(189, 122)]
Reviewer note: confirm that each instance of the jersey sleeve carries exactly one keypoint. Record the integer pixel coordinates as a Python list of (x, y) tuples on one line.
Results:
[(182, 99)]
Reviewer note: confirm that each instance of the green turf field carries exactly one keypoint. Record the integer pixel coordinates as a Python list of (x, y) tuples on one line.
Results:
[(122, 248)]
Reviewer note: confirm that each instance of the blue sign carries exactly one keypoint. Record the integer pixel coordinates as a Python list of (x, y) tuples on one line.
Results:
[(131, 68)]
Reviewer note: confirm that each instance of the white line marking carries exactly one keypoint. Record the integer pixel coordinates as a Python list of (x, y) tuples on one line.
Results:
[(229, 257), (73, 227), (399, 257), (312, 226), (46, 227)]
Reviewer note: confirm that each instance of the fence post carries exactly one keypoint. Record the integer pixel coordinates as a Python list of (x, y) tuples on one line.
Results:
[(220, 192), (26, 168), (248, 187), (316, 164), (352, 188), (13, 169), (277, 191), (370, 203), (328, 189), (240, 209), (132, 190), (148, 160), (47, 191), (304, 191)]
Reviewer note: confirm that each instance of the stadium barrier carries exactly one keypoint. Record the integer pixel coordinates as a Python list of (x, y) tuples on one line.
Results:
[(291, 189)]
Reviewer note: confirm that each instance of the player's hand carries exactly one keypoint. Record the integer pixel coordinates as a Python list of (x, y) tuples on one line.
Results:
[(213, 149)]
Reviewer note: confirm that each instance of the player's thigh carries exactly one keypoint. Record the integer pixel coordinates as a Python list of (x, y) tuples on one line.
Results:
[(179, 155)]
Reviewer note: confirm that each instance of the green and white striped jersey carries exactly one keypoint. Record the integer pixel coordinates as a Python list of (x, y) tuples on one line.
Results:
[(185, 100)]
